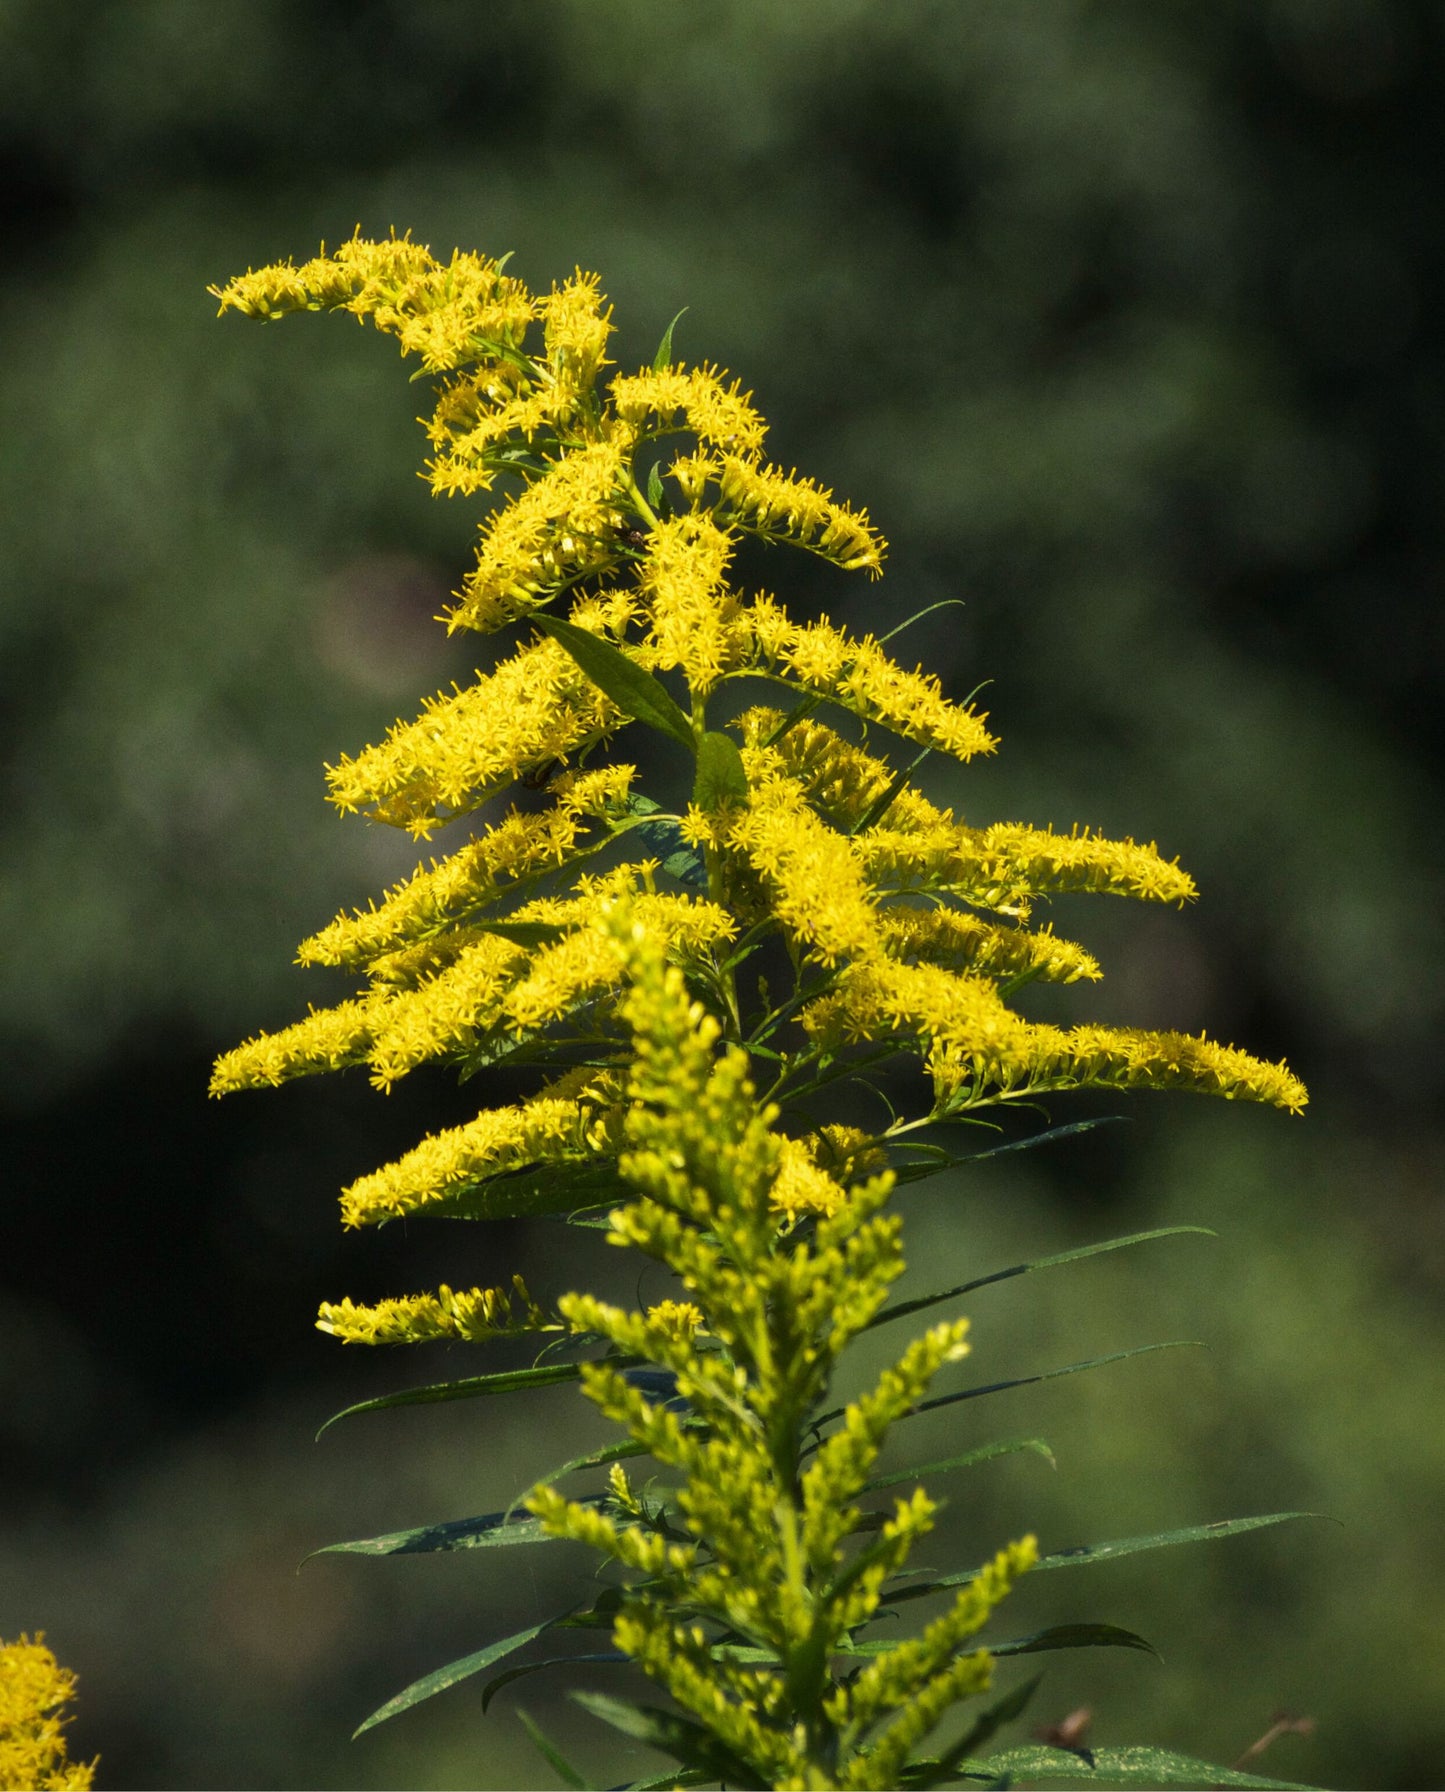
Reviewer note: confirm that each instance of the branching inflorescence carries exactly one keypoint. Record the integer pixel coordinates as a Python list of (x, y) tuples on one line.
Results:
[(617, 946)]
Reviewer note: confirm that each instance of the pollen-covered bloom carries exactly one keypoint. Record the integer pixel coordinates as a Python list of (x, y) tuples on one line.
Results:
[(860, 676), (34, 1690), (818, 890), (711, 409), (694, 616), (472, 1316), (514, 853), (786, 507), (567, 525), (446, 312), (573, 1119), (535, 707)]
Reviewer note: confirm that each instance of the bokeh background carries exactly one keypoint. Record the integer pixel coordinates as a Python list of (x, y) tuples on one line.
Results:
[(1124, 320)]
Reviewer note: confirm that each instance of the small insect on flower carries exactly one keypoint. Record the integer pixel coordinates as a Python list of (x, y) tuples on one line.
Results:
[(538, 777)]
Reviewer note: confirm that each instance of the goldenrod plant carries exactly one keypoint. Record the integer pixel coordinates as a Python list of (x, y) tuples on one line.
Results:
[(34, 1690), (756, 1009)]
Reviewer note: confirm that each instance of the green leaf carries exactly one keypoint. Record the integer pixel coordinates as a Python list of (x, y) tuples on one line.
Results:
[(680, 1737), (663, 358), (441, 1678), (1085, 1553), (505, 1382), (557, 1761), (881, 804), (1003, 1711), (904, 1308), (656, 496), (915, 1172), (537, 1191), (944, 603), (508, 1675), (985, 1453), (720, 776), (526, 933), (494, 1531), (1114, 1767), (635, 692), (664, 837), (1075, 1636), (1025, 1381)]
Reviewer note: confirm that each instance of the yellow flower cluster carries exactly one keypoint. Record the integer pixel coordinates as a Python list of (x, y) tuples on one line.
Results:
[(858, 675), (711, 410), (694, 616), (508, 856), (786, 507), (445, 997), (680, 1317), (903, 924), (34, 1688), (818, 892), (801, 1185), (980, 1051), (574, 1118), (536, 707), (473, 1317), (568, 525), (446, 313)]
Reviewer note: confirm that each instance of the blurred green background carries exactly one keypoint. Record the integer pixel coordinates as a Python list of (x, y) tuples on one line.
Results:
[(1124, 320)]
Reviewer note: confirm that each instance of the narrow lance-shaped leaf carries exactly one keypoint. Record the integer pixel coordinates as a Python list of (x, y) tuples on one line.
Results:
[(601, 1657), (1084, 1554), (635, 692), (988, 1722), (1075, 1636), (454, 1672), (966, 1459), (506, 1381), (1038, 1763), (1025, 1381), (493, 1531), (557, 1761), (902, 1309), (540, 1191), (663, 357), (680, 1737)]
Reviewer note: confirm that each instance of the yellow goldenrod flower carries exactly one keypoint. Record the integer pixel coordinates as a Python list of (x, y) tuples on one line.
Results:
[(786, 507), (34, 1688), (712, 411), (818, 890), (472, 1316), (802, 1186), (576, 1117), (328, 1039), (1003, 866), (511, 854), (575, 332), (449, 1012), (535, 707), (694, 616), (841, 779), (959, 941), (570, 932), (566, 526), (448, 313), (681, 1318), (859, 675)]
